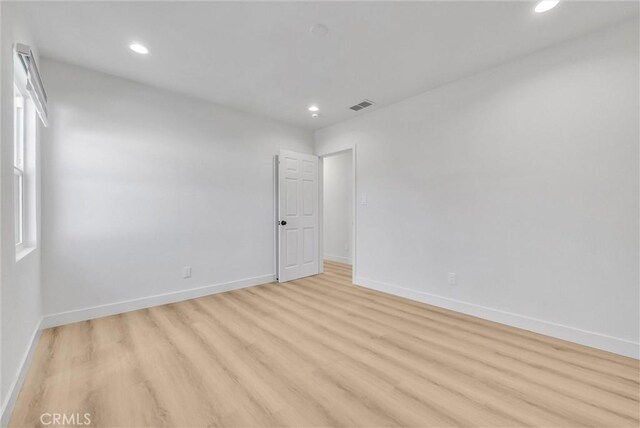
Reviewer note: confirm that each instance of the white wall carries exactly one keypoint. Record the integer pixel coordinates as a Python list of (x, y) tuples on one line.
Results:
[(20, 299), (139, 182), (337, 207), (523, 180)]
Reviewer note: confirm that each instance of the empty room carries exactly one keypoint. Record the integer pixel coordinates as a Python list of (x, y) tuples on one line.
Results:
[(320, 213)]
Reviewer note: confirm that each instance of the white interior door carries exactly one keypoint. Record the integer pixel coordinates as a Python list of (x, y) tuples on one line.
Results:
[(298, 215)]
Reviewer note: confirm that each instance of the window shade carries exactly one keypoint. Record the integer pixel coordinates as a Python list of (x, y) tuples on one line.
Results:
[(34, 83)]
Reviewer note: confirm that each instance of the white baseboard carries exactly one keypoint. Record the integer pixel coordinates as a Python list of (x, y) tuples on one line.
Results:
[(148, 302), (338, 259), (588, 338), (14, 389)]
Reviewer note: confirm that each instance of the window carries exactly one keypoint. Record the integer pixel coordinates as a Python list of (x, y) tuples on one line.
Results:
[(19, 143), (29, 103), (24, 167)]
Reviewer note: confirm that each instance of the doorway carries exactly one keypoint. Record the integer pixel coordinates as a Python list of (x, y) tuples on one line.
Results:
[(338, 208)]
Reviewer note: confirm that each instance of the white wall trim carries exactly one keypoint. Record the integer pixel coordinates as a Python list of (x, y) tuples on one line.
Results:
[(16, 385), (338, 259), (148, 302), (588, 338)]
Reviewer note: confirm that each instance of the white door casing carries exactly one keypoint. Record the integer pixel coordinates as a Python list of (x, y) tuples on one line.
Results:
[(298, 215)]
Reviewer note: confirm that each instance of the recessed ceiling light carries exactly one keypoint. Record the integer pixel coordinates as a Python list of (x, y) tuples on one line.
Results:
[(319, 30), (546, 5), (138, 48), (313, 108)]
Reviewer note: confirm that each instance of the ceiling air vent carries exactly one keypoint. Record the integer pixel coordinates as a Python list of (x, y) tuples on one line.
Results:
[(360, 106)]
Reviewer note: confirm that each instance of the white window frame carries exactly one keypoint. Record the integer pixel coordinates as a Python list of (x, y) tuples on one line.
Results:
[(19, 143), (30, 101)]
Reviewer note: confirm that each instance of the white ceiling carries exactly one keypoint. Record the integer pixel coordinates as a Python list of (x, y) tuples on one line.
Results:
[(260, 57)]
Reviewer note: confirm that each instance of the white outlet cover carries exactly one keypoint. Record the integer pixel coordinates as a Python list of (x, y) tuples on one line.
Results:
[(186, 272), (452, 278)]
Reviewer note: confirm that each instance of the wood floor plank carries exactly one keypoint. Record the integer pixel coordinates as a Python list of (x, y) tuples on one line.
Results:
[(563, 350), (526, 363), (320, 352), (429, 354)]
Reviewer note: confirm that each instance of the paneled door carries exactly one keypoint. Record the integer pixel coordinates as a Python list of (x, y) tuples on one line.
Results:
[(298, 221)]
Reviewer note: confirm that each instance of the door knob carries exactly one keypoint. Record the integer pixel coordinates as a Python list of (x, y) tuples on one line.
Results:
[(283, 222)]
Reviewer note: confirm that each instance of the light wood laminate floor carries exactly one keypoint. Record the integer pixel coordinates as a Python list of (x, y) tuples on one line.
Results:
[(320, 352)]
